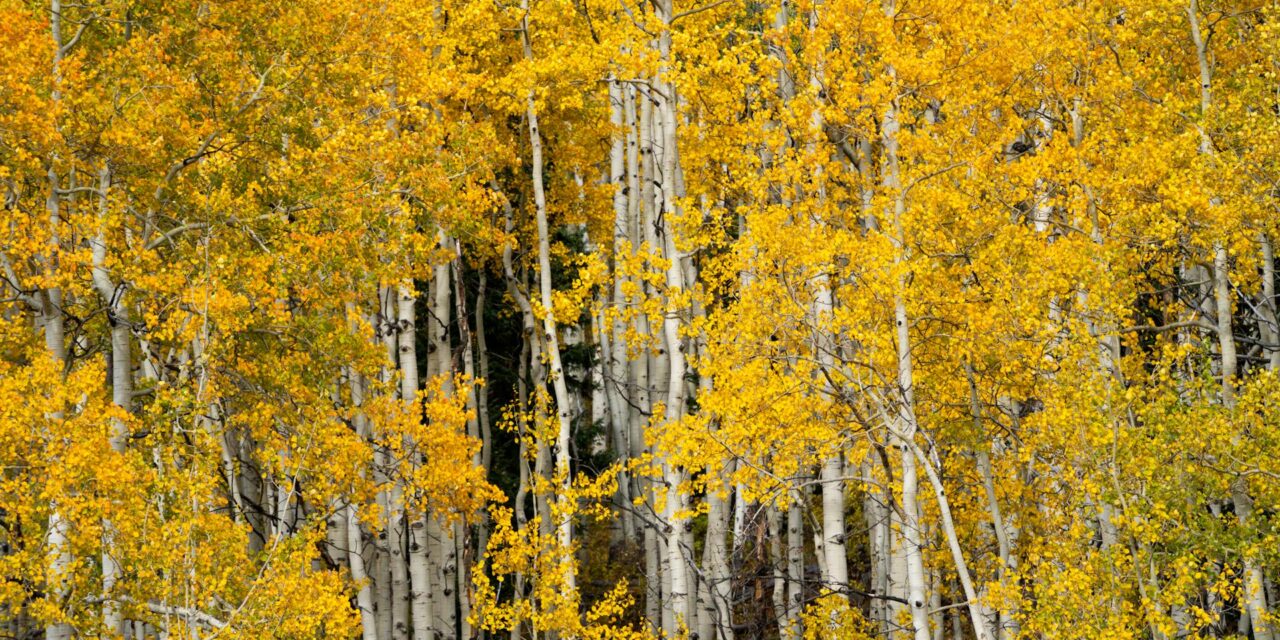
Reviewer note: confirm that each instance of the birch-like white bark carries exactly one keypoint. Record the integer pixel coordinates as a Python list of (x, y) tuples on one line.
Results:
[(659, 362), (1258, 585), (834, 555), (778, 561), (904, 425), (1253, 596), (121, 374), (397, 560), (716, 622), (795, 566), (381, 570), (665, 95), (1270, 330), (55, 341), (441, 542), (420, 579), (645, 367), (482, 394), (355, 534), (877, 519), (980, 630), (550, 337), (916, 597), (355, 563), (462, 538), (1006, 624), (614, 340)]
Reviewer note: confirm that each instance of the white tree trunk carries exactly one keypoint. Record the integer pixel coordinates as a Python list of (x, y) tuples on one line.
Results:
[(879, 551), (836, 566), (420, 580), (795, 565), (778, 560), (121, 370), (550, 338), (355, 562), (1005, 622), (980, 630), (716, 621), (904, 425), (397, 534), (916, 596), (664, 93), (51, 318), (462, 537), (1267, 306), (55, 342), (355, 535), (613, 340), (441, 543), (1254, 599), (389, 563), (832, 552)]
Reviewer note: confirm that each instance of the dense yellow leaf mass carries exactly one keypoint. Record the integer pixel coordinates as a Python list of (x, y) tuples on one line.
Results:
[(716, 319)]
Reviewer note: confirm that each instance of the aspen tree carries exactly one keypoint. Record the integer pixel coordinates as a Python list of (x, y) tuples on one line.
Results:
[(665, 96), (354, 543), (903, 422), (121, 372), (51, 316), (550, 339), (996, 282), (1255, 600)]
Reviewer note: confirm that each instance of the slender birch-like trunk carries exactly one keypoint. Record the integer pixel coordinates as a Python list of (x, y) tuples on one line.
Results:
[(1253, 596), (916, 597), (937, 617), (832, 551), (1004, 623), (51, 318), (121, 370), (482, 394), (645, 367), (355, 534), (386, 556), (904, 424), (659, 362), (778, 562), (420, 579), (877, 517), (355, 562), (397, 543), (441, 542), (665, 96), (530, 377), (795, 565), (716, 621), (980, 630), (1270, 330), (834, 554), (615, 353), (550, 337), (462, 537)]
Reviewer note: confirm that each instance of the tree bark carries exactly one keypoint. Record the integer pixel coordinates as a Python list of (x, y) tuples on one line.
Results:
[(51, 318), (716, 623), (904, 425), (550, 337)]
